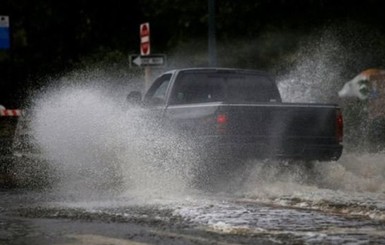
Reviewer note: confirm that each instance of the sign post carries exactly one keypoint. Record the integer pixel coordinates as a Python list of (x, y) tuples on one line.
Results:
[(145, 49), (145, 59), (4, 32)]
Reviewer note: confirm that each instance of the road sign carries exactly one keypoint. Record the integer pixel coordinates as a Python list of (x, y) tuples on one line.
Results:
[(145, 38), (4, 32), (147, 60)]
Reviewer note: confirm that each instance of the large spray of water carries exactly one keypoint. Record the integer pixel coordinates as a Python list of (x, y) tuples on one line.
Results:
[(318, 72), (96, 145)]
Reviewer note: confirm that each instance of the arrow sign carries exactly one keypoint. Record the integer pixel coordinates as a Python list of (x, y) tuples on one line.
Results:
[(148, 60)]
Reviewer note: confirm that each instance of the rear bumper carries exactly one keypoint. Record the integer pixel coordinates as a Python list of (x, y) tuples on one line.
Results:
[(290, 149)]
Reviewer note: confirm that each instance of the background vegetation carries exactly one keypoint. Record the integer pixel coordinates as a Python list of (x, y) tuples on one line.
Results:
[(50, 38)]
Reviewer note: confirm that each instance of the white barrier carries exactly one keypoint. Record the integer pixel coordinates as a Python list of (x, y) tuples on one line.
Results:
[(11, 113)]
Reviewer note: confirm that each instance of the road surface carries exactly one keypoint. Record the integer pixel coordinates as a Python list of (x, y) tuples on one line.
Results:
[(269, 207)]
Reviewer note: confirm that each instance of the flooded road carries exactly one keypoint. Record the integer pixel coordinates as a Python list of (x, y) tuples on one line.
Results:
[(270, 207)]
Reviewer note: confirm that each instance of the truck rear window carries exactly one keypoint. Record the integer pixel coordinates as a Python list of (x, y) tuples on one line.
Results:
[(223, 87)]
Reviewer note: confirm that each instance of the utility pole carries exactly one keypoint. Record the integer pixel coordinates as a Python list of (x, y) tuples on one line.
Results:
[(211, 34)]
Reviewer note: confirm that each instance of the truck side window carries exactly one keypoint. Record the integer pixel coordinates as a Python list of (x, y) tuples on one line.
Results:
[(156, 95)]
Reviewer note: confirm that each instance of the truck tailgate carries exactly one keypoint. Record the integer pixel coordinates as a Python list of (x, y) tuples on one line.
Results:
[(289, 130), (283, 120)]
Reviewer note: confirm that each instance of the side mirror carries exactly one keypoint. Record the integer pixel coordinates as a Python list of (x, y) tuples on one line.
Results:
[(134, 98)]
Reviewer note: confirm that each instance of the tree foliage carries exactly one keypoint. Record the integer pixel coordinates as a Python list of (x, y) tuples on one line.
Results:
[(49, 37)]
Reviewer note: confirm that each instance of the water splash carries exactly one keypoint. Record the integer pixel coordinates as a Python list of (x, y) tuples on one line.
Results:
[(318, 71), (98, 146)]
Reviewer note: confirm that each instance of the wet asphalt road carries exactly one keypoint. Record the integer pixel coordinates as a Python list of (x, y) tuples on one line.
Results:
[(49, 217), (27, 220)]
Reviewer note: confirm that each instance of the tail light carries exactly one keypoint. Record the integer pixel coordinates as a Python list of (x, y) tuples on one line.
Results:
[(222, 120), (217, 124), (339, 126)]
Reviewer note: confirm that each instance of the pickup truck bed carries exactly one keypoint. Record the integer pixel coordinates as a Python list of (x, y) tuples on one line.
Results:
[(274, 130)]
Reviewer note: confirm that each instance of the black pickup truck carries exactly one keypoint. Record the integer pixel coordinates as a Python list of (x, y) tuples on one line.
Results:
[(240, 112)]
